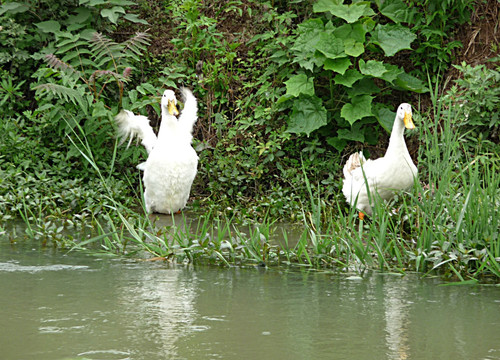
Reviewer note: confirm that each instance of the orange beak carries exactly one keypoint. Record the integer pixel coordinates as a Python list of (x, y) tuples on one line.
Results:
[(408, 121), (172, 109)]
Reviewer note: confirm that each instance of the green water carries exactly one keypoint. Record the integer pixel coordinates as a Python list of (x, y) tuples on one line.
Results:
[(66, 306)]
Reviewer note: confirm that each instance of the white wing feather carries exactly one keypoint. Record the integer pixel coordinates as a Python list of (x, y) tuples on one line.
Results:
[(130, 126), (188, 116)]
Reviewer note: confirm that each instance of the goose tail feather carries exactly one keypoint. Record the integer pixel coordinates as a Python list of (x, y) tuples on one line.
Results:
[(354, 162)]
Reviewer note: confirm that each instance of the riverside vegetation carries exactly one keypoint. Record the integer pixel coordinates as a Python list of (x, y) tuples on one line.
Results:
[(286, 91)]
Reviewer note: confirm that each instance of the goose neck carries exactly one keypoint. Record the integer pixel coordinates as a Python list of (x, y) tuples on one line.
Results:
[(396, 141)]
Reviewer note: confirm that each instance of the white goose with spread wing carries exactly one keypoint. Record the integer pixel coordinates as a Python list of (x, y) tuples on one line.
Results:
[(172, 162)]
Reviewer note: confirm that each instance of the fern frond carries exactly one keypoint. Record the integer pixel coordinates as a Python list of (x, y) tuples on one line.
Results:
[(57, 64), (103, 46), (101, 73), (64, 93), (137, 43)]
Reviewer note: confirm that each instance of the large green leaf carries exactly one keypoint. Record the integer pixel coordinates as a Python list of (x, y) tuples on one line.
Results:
[(325, 5), (113, 14), (332, 48), (356, 32), (308, 114), (353, 47), (392, 73), (281, 99), (304, 48), (81, 15), (13, 8), (308, 32), (50, 26), (392, 38), (349, 13), (353, 36), (360, 107), (337, 143), (396, 10), (349, 78), (409, 82), (135, 19), (386, 118), (365, 86), (372, 68), (337, 65), (99, 110), (300, 84)]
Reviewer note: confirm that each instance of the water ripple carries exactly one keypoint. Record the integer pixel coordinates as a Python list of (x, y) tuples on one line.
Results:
[(13, 267)]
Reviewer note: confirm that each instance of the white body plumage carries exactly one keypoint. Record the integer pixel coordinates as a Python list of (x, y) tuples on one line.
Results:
[(172, 163), (395, 171)]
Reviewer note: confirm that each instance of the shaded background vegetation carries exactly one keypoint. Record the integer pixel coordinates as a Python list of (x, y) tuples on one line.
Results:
[(269, 96), (287, 90), (279, 85)]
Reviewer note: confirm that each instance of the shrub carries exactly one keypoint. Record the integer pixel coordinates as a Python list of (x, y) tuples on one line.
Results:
[(475, 100)]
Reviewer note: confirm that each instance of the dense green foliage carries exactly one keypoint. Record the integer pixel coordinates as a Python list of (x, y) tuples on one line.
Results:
[(285, 91), (476, 97)]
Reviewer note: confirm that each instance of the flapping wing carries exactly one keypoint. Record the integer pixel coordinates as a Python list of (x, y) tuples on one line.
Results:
[(130, 126), (189, 115)]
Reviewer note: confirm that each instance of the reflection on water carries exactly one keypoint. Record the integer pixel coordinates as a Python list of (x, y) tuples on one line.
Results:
[(56, 306), (397, 307), (166, 299)]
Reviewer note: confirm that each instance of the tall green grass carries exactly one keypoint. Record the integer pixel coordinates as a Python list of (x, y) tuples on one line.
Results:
[(447, 224)]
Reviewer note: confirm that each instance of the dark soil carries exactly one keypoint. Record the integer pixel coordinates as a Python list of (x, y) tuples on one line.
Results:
[(480, 38)]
